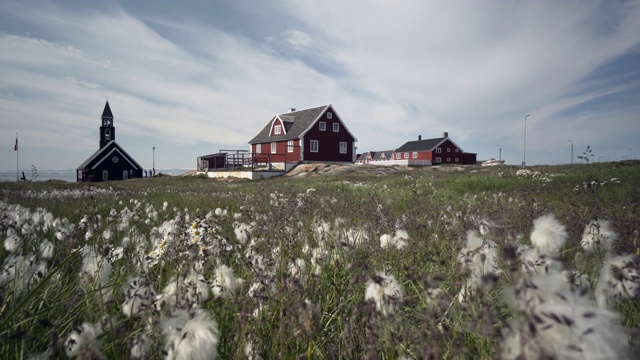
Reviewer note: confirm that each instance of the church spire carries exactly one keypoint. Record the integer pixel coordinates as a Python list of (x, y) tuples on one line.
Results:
[(107, 130), (106, 113)]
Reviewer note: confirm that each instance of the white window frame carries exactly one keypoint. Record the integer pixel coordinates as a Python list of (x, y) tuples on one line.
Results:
[(457, 150), (456, 159), (438, 160), (290, 146), (448, 159), (406, 155), (125, 175), (258, 148), (448, 149), (323, 126), (343, 147), (397, 156), (277, 130), (107, 134), (336, 127), (329, 115), (105, 175), (415, 155), (314, 146), (438, 150), (274, 147)]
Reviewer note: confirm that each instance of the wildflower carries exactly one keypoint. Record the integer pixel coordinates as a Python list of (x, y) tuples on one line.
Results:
[(138, 296), (249, 352), (308, 319), (385, 291), (536, 262), (46, 249), (619, 279), (598, 234), (12, 242), (399, 241), (190, 335), (548, 234), (297, 268), (224, 284), (83, 342), (95, 268), (553, 321)]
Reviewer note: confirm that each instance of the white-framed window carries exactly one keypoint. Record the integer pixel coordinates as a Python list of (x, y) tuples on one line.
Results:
[(314, 146), (105, 175), (406, 155), (456, 159), (398, 156), (336, 127), (415, 155), (438, 150), (290, 146), (448, 149), (323, 126), (277, 129), (329, 115), (107, 134), (273, 148), (438, 160), (125, 175), (448, 159), (457, 150), (343, 147), (258, 148)]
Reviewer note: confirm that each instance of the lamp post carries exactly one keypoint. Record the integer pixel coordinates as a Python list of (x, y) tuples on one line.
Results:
[(571, 150), (524, 160), (499, 152), (154, 161)]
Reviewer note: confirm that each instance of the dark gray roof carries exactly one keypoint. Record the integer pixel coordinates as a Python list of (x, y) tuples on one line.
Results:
[(210, 156), (295, 124), (420, 145), (106, 113), (105, 151), (377, 155)]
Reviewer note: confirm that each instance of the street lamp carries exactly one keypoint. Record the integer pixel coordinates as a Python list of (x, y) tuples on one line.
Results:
[(571, 150), (154, 161), (524, 160), (499, 152)]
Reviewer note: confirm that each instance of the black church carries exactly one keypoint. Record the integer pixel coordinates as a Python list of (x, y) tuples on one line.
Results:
[(110, 162)]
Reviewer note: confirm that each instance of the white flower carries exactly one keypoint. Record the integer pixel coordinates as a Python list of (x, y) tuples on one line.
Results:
[(619, 279), (140, 347), (385, 291), (536, 262), (190, 335), (12, 242), (598, 234), (224, 284), (83, 340), (46, 249), (138, 296), (548, 234), (297, 268)]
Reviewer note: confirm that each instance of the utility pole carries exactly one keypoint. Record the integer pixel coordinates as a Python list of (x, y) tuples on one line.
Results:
[(571, 151)]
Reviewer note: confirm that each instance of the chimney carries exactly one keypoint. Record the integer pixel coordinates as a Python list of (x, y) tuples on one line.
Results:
[(445, 134), (419, 137), (292, 110)]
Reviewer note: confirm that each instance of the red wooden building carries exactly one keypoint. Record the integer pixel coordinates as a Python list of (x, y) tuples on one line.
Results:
[(440, 150), (315, 134)]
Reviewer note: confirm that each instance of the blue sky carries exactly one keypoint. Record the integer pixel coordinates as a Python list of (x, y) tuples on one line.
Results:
[(194, 77)]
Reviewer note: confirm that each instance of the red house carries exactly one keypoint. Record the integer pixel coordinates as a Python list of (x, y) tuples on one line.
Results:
[(440, 150), (315, 134)]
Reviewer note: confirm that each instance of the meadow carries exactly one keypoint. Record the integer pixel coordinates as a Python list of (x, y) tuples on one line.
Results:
[(479, 263)]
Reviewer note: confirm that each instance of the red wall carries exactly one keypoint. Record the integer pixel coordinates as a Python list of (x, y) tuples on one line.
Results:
[(329, 141)]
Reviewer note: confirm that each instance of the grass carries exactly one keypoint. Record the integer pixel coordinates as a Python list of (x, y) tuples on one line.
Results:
[(436, 208)]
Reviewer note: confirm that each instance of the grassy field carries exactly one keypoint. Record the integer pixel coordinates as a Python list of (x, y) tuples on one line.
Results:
[(421, 264)]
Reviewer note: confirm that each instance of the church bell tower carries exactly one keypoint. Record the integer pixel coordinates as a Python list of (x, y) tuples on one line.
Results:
[(107, 130)]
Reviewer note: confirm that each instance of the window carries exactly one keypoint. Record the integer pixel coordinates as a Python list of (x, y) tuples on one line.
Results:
[(448, 149), (323, 126), (105, 175), (415, 155), (448, 159), (398, 156), (290, 146), (406, 155), (277, 129), (313, 146), (438, 160), (125, 175), (258, 148), (329, 115), (336, 127), (273, 148), (457, 150), (343, 147), (107, 134), (456, 159), (438, 150)]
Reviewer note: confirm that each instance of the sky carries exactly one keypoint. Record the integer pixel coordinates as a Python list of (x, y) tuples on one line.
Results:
[(193, 77)]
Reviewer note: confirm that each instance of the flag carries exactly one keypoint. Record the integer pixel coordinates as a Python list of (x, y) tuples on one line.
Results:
[(15, 148)]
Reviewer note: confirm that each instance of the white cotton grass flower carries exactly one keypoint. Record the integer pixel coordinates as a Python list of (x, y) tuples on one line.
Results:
[(552, 321), (548, 234), (46, 249), (242, 231), (598, 234), (249, 352), (138, 296), (297, 268), (385, 292), (619, 279), (95, 268), (140, 346), (224, 283), (399, 241), (22, 272), (83, 342), (12, 242), (536, 262), (190, 335)]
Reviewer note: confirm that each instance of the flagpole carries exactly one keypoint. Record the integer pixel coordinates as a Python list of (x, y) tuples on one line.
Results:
[(17, 160)]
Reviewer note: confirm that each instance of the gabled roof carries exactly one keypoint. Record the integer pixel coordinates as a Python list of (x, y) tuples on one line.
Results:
[(296, 123), (106, 152), (421, 145), (106, 113)]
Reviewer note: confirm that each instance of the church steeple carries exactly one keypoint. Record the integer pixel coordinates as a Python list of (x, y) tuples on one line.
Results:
[(107, 130)]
